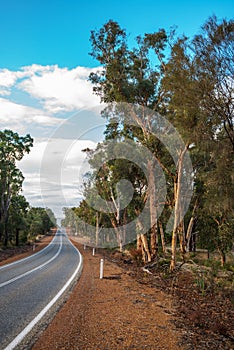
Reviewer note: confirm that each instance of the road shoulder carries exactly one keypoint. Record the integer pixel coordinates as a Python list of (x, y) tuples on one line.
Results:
[(116, 312)]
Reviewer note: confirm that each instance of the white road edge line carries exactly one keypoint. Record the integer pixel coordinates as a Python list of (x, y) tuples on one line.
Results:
[(28, 257), (30, 326), (35, 269)]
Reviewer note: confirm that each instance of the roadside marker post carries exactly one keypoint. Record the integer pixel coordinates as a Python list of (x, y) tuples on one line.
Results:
[(93, 251), (101, 268)]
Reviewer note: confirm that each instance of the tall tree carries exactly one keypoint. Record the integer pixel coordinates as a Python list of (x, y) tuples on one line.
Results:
[(127, 76), (199, 79), (17, 220), (140, 82), (214, 67), (12, 149)]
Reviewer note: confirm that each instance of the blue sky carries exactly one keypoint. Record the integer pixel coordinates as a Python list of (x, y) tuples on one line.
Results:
[(57, 32), (44, 67)]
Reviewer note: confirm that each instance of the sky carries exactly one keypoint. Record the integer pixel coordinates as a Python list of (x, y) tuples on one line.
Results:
[(44, 87)]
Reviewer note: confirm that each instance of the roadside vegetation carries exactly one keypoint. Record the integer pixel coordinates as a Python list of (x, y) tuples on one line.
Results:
[(189, 81), (19, 222)]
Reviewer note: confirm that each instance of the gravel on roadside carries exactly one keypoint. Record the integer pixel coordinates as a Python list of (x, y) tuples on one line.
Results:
[(115, 312)]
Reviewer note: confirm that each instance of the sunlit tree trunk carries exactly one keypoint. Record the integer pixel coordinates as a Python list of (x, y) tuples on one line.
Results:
[(153, 212), (182, 240), (177, 210), (97, 229), (189, 233), (142, 243), (162, 237)]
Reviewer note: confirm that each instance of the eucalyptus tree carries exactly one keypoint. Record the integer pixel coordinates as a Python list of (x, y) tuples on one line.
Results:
[(128, 76), (12, 149), (190, 83), (40, 221), (17, 224), (200, 82), (135, 76), (214, 68)]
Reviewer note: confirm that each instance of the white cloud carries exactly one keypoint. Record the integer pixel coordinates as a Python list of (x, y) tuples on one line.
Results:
[(37, 100), (53, 172), (7, 77), (50, 91), (16, 116), (60, 89)]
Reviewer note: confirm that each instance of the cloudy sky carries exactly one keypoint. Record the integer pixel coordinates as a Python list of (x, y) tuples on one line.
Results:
[(44, 91)]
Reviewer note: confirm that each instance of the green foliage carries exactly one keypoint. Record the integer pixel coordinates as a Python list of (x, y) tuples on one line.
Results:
[(189, 82), (12, 149), (40, 221)]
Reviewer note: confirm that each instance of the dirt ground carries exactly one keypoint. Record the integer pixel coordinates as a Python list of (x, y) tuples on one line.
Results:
[(11, 254), (115, 312)]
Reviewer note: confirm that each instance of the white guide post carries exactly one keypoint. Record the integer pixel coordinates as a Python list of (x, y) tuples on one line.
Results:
[(93, 251), (101, 268)]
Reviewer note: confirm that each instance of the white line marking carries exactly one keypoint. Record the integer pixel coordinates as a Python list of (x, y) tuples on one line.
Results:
[(28, 257), (30, 326), (35, 269)]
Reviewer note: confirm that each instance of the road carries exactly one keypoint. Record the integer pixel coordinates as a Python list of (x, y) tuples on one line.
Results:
[(30, 287)]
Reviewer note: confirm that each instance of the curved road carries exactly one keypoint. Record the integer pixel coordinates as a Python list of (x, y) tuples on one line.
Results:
[(31, 286)]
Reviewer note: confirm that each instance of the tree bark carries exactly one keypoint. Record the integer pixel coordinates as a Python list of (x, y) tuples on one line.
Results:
[(189, 233), (145, 249), (177, 212), (182, 240), (97, 229), (222, 258), (17, 237), (139, 242), (153, 211), (162, 237), (142, 243), (190, 226)]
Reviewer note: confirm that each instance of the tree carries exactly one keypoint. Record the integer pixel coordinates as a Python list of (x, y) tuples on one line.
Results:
[(214, 68), (17, 220), (199, 79), (40, 221), (12, 149), (190, 83), (140, 82)]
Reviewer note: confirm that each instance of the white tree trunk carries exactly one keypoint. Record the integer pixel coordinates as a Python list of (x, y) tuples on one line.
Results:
[(162, 237), (153, 211), (177, 212)]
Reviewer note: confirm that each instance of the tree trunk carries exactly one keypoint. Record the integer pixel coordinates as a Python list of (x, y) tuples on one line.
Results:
[(189, 233), (97, 229), (17, 237), (139, 242), (222, 257), (6, 236), (153, 211), (190, 226), (177, 212), (118, 234), (145, 249), (124, 225), (182, 239), (142, 242), (162, 237), (174, 232)]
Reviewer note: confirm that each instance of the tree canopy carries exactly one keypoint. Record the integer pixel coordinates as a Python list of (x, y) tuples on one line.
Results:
[(189, 82)]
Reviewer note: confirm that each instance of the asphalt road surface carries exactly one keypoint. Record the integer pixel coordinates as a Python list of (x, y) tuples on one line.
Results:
[(31, 286)]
